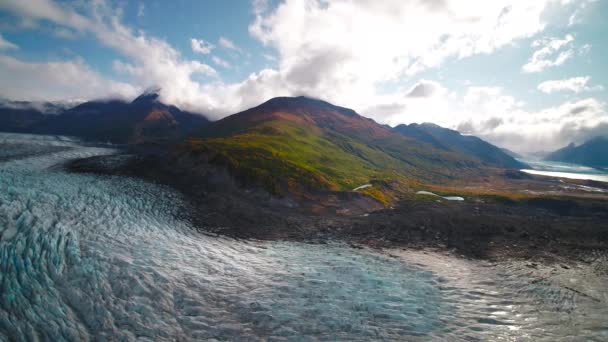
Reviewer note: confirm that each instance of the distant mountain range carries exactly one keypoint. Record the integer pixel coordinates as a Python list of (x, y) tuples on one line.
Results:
[(592, 153), (286, 143), (117, 121), (451, 140)]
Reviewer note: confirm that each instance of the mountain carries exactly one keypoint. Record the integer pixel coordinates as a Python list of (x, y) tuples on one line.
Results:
[(143, 119), (19, 118), (592, 153), (288, 142), (450, 140)]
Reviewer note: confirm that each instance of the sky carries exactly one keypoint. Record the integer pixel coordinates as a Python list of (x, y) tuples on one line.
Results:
[(525, 75)]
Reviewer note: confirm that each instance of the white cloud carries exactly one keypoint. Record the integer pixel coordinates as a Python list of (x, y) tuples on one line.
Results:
[(221, 62), (53, 80), (551, 52), (228, 44), (259, 6), (550, 128), (574, 84), (341, 51), (344, 51), (576, 16), (583, 50), (347, 52), (495, 115), (45, 9), (6, 45), (269, 57), (201, 46), (149, 61), (223, 99)]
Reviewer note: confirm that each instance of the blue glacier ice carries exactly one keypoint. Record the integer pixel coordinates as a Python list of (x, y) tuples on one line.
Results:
[(88, 257)]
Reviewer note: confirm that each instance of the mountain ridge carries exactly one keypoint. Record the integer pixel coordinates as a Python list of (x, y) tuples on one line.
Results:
[(144, 119), (451, 140), (593, 152), (287, 142)]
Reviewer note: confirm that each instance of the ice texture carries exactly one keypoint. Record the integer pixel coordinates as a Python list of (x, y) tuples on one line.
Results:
[(87, 257)]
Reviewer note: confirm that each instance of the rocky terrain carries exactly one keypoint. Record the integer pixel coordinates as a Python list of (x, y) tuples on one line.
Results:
[(488, 227)]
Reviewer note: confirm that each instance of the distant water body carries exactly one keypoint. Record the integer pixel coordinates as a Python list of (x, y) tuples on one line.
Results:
[(565, 170), (102, 258)]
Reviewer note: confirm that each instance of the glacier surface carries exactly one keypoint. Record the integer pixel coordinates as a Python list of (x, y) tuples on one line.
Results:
[(88, 257)]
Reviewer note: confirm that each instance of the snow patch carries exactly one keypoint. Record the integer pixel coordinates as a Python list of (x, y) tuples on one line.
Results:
[(362, 187), (448, 198)]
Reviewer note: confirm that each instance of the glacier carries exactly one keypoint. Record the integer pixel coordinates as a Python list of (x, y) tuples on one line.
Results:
[(90, 257)]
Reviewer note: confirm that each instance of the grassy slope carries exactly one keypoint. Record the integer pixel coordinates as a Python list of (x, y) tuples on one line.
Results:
[(297, 154), (325, 148), (283, 155)]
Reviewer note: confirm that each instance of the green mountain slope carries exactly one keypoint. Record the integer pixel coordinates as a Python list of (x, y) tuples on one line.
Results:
[(451, 140), (295, 143)]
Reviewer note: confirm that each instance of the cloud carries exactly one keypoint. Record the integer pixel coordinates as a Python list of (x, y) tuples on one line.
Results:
[(497, 116), (201, 46), (53, 80), (221, 62), (259, 6), (6, 45), (224, 99), (424, 88), (148, 61), (503, 120), (576, 16), (48, 10), (346, 51), (269, 57), (574, 84), (583, 50), (351, 53), (550, 52), (228, 44), (553, 127)]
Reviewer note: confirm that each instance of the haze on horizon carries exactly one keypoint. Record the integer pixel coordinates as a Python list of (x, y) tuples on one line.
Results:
[(526, 75)]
